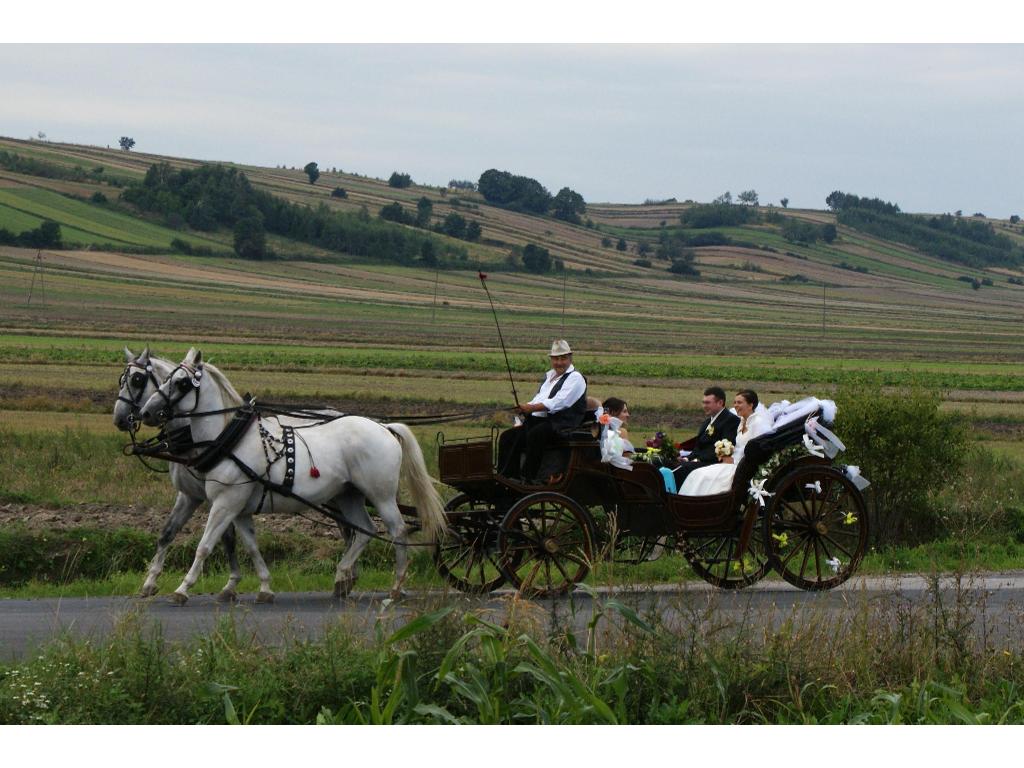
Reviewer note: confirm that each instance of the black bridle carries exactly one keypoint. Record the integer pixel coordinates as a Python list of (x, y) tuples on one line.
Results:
[(137, 380), (183, 388)]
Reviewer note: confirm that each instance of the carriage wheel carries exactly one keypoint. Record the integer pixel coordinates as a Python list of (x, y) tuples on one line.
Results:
[(714, 559), (547, 544), (816, 528), (467, 556)]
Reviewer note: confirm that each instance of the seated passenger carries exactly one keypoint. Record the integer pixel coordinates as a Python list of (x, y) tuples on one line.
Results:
[(619, 409), (556, 410), (720, 424), (717, 478)]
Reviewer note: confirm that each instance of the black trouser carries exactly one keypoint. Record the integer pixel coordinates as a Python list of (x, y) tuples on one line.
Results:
[(530, 439)]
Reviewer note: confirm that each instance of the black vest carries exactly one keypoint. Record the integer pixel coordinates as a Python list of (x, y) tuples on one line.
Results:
[(570, 418)]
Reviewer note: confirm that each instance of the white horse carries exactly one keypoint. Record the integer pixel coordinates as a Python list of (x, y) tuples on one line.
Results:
[(142, 375), (341, 463)]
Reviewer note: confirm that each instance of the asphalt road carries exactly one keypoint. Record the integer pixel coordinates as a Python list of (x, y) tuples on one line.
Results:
[(993, 605)]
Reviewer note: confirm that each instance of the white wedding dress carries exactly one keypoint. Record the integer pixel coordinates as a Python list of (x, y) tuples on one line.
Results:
[(717, 478)]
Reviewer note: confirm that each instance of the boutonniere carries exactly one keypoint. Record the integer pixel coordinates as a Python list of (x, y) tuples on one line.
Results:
[(710, 430)]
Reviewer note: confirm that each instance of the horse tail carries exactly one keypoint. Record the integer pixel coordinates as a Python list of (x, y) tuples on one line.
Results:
[(414, 473)]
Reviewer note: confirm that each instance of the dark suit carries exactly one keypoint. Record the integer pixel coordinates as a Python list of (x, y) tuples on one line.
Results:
[(725, 428)]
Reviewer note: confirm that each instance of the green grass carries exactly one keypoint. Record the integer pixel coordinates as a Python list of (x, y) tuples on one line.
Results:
[(295, 569), (884, 661), (84, 222), (810, 372)]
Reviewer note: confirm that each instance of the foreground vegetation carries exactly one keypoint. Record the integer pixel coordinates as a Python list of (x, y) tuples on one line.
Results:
[(887, 662)]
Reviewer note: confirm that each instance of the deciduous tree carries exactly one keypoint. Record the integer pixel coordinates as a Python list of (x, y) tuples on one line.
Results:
[(568, 205)]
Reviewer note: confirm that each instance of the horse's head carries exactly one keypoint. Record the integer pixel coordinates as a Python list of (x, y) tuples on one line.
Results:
[(178, 395), (139, 380)]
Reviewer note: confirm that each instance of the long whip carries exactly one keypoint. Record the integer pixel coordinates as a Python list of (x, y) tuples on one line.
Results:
[(483, 282)]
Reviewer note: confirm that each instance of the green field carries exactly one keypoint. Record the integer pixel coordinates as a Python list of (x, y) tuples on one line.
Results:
[(86, 223)]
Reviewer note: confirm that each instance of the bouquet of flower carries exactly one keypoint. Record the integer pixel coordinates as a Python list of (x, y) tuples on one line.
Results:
[(724, 448), (660, 450)]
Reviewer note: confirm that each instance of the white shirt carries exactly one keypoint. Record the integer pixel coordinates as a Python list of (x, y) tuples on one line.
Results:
[(571, 391)]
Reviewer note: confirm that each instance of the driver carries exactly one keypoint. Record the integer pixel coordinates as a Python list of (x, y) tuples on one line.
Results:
[(556, 410)]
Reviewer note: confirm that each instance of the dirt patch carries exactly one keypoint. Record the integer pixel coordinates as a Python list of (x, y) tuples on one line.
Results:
[(150, 519)]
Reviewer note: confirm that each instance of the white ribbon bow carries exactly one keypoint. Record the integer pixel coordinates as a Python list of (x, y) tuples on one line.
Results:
[(835, 564), (758, 492), (813, 448), (815, 486)]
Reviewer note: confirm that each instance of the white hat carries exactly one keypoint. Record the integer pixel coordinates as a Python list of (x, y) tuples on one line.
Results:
[(560, 347)]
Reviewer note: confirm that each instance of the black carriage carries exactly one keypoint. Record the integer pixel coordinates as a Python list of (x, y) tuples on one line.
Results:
[(788, 510)]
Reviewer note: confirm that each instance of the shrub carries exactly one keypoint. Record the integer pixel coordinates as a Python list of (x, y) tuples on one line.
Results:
[(908, 449), (642, 263), (395, 212), (339, 192), (684, 267), (796, 231), (99, 198), (399, 180), (717, 215), (536, 259), (179, 245)]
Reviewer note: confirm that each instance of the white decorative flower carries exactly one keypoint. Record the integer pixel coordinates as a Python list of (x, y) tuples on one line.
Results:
[(758, 492), (813, 448), (834, 564)]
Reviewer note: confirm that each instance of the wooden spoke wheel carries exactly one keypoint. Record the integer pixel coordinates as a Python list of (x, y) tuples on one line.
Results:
[(715, 558), (636, 550), (816, 528), (547, 544), (467, 556)]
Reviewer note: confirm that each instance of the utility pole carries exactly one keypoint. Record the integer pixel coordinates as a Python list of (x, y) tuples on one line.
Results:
[(823, 311), (564, 278), (37, 270), (433, 312)]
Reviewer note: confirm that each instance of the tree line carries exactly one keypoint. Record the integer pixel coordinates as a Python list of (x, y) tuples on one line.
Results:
[(46, 235), (972, 243), (211, 196), (526, 195)]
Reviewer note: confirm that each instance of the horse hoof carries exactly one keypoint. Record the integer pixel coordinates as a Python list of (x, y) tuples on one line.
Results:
[(264, 598), (177, 598), (149, 591), (398, 594), (227, 596), (343, 588)]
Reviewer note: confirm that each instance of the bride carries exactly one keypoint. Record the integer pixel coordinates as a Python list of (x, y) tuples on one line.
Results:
[(717, 478)]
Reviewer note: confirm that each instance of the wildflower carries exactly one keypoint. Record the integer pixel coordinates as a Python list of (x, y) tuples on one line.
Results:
[(782, 538), (850, 519)]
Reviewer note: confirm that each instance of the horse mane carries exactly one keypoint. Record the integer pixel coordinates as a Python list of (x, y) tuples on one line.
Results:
[(162, 362), (231, 395)]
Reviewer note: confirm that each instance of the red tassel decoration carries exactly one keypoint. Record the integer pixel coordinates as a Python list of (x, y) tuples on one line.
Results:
[(314, 472)]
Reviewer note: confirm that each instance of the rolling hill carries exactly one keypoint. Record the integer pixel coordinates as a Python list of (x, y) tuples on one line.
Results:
[(859, 296)]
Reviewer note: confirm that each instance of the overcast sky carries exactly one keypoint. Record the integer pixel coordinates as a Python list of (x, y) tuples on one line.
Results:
[(934, 128)]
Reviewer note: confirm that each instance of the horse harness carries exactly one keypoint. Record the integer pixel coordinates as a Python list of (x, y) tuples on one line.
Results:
[(173, 446)]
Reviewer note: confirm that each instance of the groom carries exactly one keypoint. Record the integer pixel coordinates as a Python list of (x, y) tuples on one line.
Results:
[(720, 424)]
